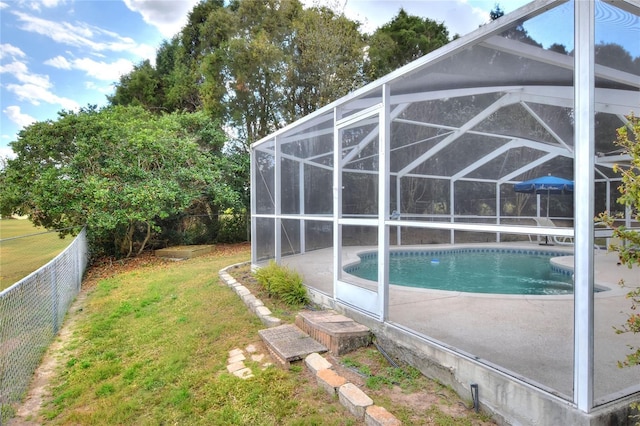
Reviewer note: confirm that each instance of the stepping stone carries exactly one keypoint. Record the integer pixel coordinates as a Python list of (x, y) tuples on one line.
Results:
[(244, 373), (236, 358), (231, 368), (235, 352), (287, 343), (257, 358)]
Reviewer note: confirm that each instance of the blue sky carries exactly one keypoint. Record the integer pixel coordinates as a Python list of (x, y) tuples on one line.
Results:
[(65, 54)]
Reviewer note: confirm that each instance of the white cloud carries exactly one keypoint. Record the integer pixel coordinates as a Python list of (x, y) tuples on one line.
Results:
[(87, 37), (78, 34), (108, 71), (36, 94), (37, 5), (103, 70), (21, 73), (459, 16), (167, 16), (9, 50), (34, 88), (147, 52), (58, 62), (107, 90), (14, 114), (52, 3)]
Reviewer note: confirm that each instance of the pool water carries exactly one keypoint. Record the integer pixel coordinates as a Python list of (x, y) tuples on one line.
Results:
[(475, 271)]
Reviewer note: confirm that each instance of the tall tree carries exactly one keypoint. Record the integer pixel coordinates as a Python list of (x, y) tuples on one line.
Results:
[(403, 40), (140, 87), (179, 87), (326, 61), (256, 65)]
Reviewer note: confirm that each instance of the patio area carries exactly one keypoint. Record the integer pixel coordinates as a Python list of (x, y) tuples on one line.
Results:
[(526, 337)]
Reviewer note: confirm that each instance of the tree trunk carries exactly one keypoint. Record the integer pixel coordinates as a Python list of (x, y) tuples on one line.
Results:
[(146, 238), (128, 240)]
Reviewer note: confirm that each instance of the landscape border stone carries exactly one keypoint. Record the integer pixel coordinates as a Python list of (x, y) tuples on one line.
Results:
[(350, 396)]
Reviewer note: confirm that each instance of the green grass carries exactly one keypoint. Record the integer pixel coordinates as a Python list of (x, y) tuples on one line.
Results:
[(151, 345), (20, 257)]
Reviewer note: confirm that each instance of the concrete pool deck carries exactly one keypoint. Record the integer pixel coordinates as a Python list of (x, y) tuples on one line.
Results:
[(526, 337)]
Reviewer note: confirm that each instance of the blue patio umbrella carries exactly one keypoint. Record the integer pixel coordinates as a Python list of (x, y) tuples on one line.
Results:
[(545, 185)]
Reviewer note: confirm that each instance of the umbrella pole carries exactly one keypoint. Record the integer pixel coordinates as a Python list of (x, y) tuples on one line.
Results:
[(548, 195), (546, 237)]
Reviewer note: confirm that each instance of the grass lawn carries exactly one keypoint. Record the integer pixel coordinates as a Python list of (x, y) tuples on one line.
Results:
[(20, 257), (150, 346)]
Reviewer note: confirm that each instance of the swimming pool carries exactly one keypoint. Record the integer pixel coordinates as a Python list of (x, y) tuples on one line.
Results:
[(473, 270)]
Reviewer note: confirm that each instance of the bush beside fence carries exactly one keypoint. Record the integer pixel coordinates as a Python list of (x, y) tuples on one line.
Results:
[(31, 313)]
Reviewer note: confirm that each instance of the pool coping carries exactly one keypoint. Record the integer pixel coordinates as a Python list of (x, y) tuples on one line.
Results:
[(563, 263)]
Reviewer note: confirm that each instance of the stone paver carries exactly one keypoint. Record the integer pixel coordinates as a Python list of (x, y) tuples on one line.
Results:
[(236, 358), (244, 373), (236, 365)]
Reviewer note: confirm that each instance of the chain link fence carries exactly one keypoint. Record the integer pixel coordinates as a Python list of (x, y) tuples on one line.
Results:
[(31, 312)]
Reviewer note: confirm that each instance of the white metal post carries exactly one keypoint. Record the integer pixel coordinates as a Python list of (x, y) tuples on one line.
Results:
[(498, 211), (584, 109), (384, 180), (303, 240), (452, 208), (398, 202), (277, 189), (337, 201), (252, 190)]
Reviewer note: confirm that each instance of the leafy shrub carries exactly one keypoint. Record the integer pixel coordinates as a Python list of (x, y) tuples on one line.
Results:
[(283, 283), (232, 226)]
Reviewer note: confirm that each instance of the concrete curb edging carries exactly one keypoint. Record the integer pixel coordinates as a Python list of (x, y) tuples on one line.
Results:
[(349, 395), (254, 304)]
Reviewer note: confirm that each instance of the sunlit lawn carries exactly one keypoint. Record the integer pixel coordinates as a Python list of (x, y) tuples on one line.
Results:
[(21, 256), (151, 347)]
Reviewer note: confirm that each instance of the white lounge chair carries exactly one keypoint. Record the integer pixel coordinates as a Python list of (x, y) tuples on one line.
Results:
[(557, 239)]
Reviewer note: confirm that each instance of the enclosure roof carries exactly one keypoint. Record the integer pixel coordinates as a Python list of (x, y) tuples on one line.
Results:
[(520, 65)]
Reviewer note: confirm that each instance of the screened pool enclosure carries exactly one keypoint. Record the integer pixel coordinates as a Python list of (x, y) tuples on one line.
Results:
[(427, 157)]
